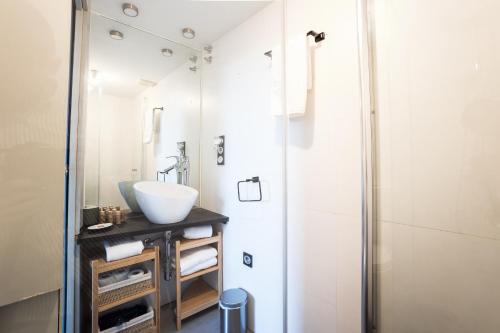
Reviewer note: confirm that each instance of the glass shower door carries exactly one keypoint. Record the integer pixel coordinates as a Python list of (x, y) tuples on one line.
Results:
[(437, 87)]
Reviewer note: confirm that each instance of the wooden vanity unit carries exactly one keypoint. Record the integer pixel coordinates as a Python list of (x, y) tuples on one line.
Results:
[(92, 263)]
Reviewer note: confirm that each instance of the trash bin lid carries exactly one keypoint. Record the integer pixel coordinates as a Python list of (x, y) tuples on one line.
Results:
[(233, 298)]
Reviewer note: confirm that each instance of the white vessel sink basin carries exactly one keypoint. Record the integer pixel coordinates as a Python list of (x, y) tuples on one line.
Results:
[(164, 203)]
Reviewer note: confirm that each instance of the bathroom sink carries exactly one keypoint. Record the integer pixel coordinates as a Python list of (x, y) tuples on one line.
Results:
[(164, 203), (127, 191)]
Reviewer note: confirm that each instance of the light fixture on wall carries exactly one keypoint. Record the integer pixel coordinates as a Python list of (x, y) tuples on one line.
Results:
[(130, 10), (167, 52), (188, 33), (207, 51), (115, 34)]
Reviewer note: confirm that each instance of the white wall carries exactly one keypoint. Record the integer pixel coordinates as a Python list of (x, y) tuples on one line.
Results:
[(323, 168), (236, 103), (179, 95), (112, 147), (438, 108)]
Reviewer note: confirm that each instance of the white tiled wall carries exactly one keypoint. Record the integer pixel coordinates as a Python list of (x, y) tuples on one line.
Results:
[(438, 98), (324, 174), (236, 103)]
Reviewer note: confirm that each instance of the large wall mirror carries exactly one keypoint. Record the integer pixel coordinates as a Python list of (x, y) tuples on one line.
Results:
[(143, 111)]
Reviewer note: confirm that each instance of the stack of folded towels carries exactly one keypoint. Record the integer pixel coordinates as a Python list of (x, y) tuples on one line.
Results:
[(194, 260), (197, 259)]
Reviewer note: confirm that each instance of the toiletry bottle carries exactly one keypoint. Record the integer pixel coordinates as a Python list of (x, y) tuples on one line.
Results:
[(117, 217), (109, 216), (102, 215)]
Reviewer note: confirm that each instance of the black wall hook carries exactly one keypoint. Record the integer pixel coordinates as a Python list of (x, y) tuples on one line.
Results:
[(318, 37)]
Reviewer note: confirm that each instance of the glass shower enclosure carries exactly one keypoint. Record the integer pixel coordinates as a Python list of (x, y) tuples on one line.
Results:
[(436, 90)]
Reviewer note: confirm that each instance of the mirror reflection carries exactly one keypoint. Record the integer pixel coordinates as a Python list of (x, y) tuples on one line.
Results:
[(143, 112)]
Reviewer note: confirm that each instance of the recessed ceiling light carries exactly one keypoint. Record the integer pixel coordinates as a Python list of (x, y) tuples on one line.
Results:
[(130, 10), (167, 52), (146, 83), (115, 34), (188, 33)]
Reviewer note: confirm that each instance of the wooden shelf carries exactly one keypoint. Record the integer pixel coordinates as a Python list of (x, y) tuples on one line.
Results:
[(143, 293), (100, 266), (197, 297), (104, 266), (187, 244), (200, 273)]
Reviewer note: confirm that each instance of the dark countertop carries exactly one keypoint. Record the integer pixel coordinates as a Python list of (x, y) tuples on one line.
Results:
[(137, 224)]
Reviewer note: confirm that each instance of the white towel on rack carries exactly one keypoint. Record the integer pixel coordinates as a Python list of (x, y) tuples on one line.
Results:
[(194, 257), (148, 122), (198, 232), (123, 250), (299, 74), (206, 264)]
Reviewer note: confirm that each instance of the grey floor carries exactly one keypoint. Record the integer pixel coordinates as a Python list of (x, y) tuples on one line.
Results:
[(207, 321)]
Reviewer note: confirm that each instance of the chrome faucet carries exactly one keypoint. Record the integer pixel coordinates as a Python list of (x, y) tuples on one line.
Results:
[(181, 165)]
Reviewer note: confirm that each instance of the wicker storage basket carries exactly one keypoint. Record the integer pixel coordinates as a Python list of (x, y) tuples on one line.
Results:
[(145, 326), (120, 293)]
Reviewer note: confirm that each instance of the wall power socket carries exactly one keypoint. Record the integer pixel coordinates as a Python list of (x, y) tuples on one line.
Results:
[(247, 259)]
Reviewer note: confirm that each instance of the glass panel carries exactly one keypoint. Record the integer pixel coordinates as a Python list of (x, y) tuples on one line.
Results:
[(438, 186)]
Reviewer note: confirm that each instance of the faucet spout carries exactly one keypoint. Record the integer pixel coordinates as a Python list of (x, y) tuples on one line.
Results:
[(173, 166), (170, 168), (181, 166)]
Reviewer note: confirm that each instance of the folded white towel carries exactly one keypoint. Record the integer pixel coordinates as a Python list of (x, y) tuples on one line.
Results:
[(123, 250), (198, 232), (208, 263), (148, 122), (194, 257)]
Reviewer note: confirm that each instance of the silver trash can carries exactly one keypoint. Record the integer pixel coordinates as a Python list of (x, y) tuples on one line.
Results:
[(233, 311)]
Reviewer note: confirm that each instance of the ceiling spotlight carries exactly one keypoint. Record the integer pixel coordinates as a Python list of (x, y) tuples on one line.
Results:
[(146, 83), (188, 33), (167, 52), (115, 34), (130, 10)]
